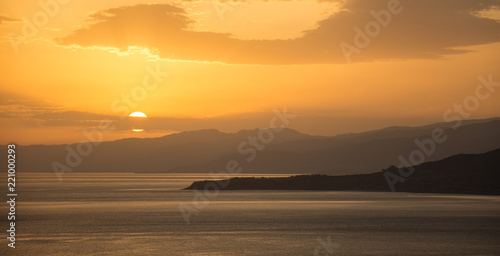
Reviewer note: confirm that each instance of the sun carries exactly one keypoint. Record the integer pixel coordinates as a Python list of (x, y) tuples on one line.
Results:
[(138, 114)]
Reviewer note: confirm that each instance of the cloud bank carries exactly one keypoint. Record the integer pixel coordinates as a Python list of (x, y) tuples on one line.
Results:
[(423, 29)]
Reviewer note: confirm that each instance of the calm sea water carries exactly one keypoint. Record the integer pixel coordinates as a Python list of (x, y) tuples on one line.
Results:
[(138, 214)]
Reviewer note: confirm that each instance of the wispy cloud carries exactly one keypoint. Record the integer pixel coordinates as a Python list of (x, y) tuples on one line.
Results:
[(4, 19)]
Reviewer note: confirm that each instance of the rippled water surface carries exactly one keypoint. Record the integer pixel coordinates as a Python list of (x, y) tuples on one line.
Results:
[(138, 214)]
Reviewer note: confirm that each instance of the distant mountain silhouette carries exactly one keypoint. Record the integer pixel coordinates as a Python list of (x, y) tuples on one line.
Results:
[(459, 174), (289, 152)]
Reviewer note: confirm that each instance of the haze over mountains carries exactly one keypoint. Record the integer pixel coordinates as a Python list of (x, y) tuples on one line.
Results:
[(289, 152)]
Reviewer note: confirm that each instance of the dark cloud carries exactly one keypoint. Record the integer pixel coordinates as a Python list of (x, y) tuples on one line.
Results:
[(36, 112), (31, 111), (20, 107), (423, 29), (70, 118), (7, 19)]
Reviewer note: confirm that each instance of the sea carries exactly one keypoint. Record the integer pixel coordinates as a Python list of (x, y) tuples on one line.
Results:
[(149, 214)]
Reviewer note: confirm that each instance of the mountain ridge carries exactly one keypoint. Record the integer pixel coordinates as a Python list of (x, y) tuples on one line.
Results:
[(290, 152)]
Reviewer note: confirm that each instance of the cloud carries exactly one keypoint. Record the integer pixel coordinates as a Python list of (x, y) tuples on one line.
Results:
[(17, 106), (8, 19), (424, 29), (34, 112), (71, 118)]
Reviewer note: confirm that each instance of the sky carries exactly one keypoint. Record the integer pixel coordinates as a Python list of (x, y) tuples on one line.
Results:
[(67, 66)]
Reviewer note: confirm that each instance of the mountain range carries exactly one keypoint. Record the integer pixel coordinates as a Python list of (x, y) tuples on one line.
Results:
[(288, 152)]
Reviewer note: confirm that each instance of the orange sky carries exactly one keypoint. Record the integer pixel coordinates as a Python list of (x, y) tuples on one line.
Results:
[(225, 65)]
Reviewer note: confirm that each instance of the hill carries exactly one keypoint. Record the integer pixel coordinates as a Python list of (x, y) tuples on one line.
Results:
[(459, 174)]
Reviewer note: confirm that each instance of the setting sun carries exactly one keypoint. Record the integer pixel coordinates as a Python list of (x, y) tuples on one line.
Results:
[(138, 114)]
